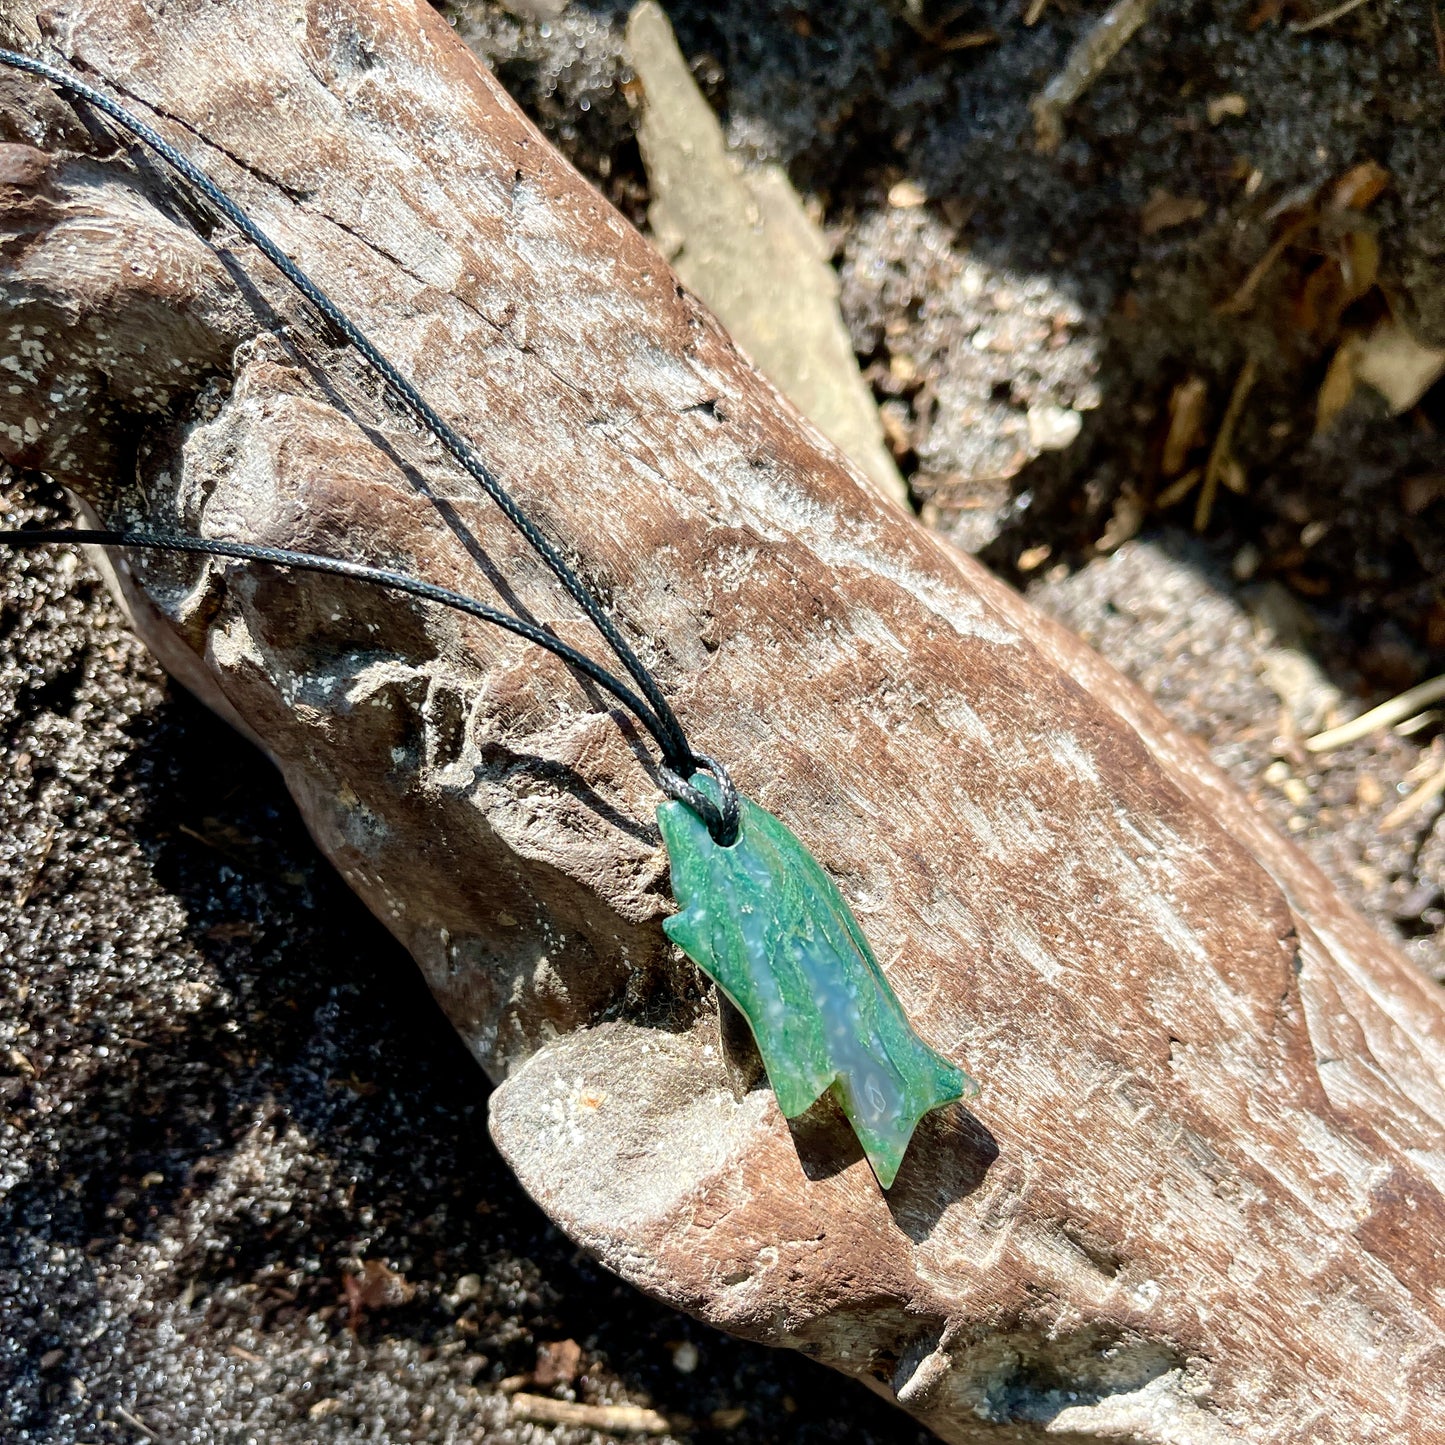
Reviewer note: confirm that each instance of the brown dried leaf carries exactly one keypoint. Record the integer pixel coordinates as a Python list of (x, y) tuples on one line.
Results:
[(1263, 13), (1358, 187), (1186, 423), (1338, 386), (380, 1286), (1358, 253), (1320, 300), (1434, 634), (1420, 491), (558, 1363), (1163, 211), (1124, 523), (1306, 584)]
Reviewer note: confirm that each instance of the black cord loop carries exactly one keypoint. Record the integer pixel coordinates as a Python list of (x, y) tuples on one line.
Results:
[(723, 819), (651, 707)]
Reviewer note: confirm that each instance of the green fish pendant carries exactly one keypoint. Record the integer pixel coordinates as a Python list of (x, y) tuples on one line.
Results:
[(764, 921)]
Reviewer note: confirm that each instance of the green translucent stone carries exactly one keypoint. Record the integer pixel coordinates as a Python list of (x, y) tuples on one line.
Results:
[(764, 921)]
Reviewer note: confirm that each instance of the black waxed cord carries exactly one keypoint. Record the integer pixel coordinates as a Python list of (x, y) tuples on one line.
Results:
[(656, 714), (721, 818), (339, 567)]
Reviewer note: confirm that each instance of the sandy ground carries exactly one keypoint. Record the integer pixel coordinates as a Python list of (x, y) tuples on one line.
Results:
[(230, 1113)]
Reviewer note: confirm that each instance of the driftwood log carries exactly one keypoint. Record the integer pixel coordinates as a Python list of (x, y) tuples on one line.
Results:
[(1200, 1196)]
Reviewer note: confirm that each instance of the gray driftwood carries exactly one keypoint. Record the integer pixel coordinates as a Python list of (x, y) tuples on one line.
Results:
[(1199, 1198)]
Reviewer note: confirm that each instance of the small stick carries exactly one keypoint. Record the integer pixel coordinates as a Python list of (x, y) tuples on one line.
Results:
[(969, 40), (1177, 490), (1432, 787), (1302, 27), (1418, 723), (135, 1423), (1243, 298), (1086, 62), (543, 1410), (1219, 453), (1396, 710)]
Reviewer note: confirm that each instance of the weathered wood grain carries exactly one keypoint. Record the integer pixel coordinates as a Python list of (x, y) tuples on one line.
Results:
[(1201, 1196)]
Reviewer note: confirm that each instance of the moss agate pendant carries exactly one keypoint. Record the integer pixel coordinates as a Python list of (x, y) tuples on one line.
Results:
[(764, 921)]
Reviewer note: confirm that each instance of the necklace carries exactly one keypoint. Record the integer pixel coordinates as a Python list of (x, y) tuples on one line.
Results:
[(758, 914)]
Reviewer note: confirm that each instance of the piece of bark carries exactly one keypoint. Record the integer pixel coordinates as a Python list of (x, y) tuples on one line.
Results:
[(1200, 1199), (741, 239)]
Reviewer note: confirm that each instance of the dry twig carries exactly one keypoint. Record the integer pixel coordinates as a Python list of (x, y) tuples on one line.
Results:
[(1243, 298), (1177, 490), (1086, 62), (1430, 789), (136, 1423), (634, 1419), (1220, 454), (1418, 723), (1302, 27), (1396, 710)]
